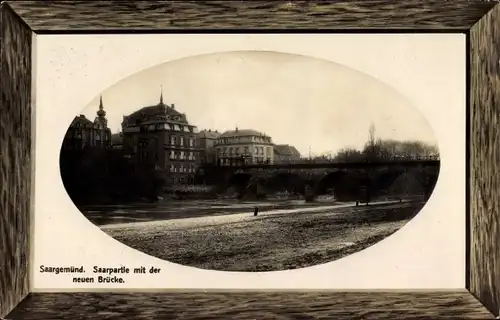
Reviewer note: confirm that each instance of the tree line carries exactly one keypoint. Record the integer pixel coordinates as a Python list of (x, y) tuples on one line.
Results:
[(385, 149)]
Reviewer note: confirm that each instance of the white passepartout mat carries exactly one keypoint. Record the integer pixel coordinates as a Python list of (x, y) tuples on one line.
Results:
[(425, 72)]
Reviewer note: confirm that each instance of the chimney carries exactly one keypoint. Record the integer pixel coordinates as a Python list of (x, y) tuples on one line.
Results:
[(209, 130), (173, 106)]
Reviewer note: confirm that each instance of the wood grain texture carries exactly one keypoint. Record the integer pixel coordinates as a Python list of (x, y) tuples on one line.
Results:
[(371, 14), (191, 15), (15, 161), (252, 305), (485, 160)]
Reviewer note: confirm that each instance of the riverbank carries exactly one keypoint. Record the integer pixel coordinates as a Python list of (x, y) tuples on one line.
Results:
[(267, 242)]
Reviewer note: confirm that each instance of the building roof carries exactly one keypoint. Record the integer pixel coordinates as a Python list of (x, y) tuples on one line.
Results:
[(116, 138), (285, 149), (241, 133), (208, 134), (149, 113), (82, 120)]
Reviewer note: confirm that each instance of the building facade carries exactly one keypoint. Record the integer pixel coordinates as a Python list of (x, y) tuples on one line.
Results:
[(284, 153), (161, 137), (206, 140), (245, 146), (83, 133)]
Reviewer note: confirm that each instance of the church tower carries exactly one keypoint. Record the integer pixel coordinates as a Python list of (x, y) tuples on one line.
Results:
[(101, 115)]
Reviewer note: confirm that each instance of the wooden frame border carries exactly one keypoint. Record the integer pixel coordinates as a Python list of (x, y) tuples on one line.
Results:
[(479, 20)]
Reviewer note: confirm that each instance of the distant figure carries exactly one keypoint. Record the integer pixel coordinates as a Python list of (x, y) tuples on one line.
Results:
[(400, 200), (357, 203), (256, 211)]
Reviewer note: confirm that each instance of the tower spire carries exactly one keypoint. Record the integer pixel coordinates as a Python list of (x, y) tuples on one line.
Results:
[(161, 94), (101, 113)]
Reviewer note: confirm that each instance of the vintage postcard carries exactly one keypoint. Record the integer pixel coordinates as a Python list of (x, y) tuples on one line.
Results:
[(259, 161)]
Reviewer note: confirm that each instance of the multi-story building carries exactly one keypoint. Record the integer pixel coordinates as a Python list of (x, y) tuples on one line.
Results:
[(83, 133), (243, 146), (284, 153), (205, 140), (161, 137)]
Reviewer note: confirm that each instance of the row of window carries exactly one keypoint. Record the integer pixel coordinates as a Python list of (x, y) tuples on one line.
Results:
[(243, 139), (235, 162), (182, 168), (181, 155), (237, 151), (173, 141), (86, 137), (78, 133), (161, 126), (89, 126)]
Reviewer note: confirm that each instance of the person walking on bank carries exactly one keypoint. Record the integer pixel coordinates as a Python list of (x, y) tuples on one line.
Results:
[(256, 211)]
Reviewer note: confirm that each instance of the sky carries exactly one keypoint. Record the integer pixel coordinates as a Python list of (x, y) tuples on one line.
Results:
[(315, 105)]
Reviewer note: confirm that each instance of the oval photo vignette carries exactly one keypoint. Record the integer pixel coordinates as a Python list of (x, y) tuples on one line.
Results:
[(249, 161)]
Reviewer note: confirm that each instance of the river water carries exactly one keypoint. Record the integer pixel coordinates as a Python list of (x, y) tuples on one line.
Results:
[(189, 209)]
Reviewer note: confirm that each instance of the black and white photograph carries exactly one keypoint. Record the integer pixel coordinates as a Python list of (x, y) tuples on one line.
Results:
[(249, 161)]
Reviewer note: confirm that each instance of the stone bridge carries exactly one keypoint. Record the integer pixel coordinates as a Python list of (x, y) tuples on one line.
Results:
[(345, 181)]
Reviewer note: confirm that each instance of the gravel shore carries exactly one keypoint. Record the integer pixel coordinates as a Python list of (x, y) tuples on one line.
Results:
[(266, 242)]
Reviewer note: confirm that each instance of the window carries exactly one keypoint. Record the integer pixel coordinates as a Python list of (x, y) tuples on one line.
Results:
[(246, 150), (172, 168), (191, 142), (182, 141), (230, 151), (182, 155), (172, 141), (172, 154), (182, 168)]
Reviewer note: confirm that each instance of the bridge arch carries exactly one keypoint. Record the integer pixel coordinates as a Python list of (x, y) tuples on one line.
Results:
[(387, 178), (330, 183), (239, 181), (290, 182), (414, 181)]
